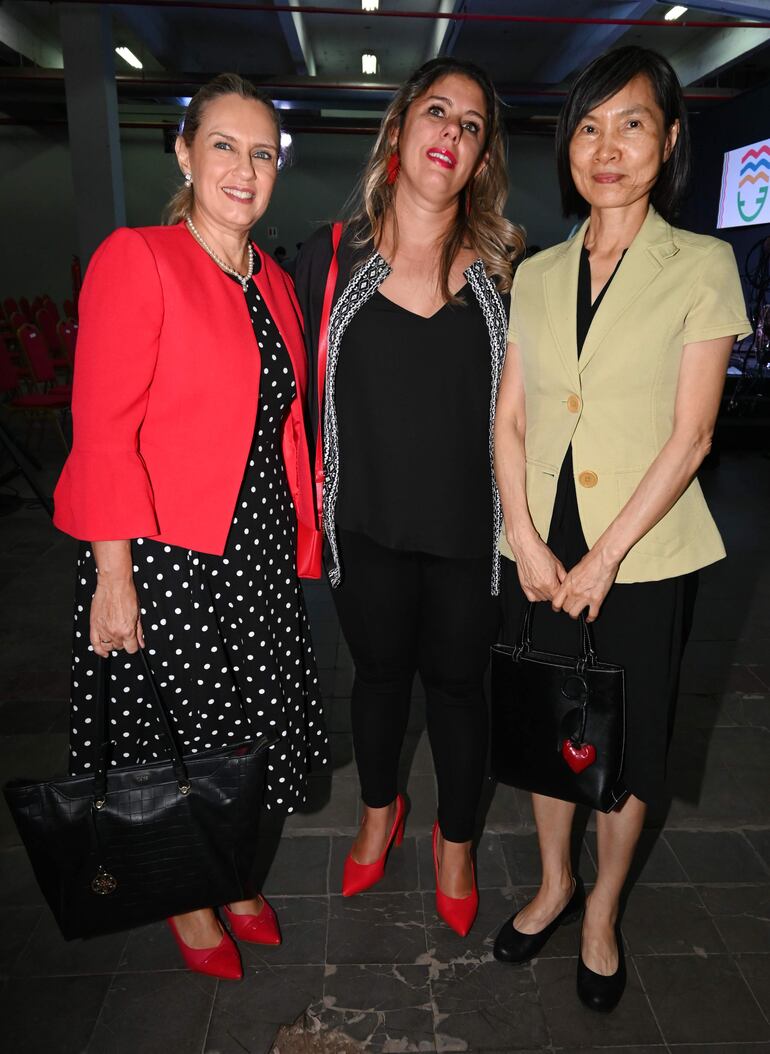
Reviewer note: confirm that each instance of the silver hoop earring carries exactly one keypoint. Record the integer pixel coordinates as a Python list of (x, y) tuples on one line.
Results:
[(188, 179)]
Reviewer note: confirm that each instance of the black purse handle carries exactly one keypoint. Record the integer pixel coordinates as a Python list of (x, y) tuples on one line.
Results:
[(587, 646), (102, 742)]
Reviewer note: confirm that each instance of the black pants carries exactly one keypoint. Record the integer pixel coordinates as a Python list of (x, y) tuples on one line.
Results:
[(403, 612)]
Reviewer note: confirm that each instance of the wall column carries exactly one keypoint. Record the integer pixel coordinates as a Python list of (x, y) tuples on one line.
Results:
[(92, 118)]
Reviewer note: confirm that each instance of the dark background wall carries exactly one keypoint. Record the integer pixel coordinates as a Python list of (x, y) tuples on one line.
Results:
[(735, 123), (37, 208)]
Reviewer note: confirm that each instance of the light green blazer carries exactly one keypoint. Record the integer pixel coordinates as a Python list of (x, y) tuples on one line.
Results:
[(616, 404)]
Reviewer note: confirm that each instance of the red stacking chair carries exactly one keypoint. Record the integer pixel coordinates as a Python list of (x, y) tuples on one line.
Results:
[(26, 309), (10, 306), (34, 346), (67, 331), (10, 336), (50, 305), (37, 303), (17, 320), (46, 323), (31, 404), (70, 311), (16, 357)]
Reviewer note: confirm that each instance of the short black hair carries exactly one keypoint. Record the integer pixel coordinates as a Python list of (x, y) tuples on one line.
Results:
[(599, 81)]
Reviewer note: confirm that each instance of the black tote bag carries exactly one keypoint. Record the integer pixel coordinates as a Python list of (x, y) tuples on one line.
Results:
[(122, 847), (558, 722)]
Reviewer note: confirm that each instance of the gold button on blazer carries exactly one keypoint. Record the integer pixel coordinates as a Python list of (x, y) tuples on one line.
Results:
[(616, 404)]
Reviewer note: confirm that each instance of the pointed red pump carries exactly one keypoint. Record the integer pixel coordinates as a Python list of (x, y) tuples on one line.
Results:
[(255, 929), (457, 912), (222, 961), (358, 877)]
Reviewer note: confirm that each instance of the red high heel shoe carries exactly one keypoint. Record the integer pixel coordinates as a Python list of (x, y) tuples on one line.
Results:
[(222, 961), (358, 877), (256, 929), (457, 912)]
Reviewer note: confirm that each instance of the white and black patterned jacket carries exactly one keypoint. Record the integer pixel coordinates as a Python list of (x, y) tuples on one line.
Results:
[(354, 287)]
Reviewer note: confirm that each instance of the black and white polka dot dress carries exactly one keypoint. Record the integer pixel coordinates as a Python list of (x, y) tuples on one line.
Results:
[(227, 636)]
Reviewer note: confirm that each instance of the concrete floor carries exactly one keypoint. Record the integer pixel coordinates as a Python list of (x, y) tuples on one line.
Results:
[(381, 966)]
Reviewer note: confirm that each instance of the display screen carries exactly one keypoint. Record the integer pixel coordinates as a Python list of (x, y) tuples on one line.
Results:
[(743, 201)]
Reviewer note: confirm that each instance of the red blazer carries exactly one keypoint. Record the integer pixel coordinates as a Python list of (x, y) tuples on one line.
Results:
[(165, 397)]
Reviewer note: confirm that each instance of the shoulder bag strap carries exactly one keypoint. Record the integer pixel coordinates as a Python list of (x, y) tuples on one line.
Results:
[(323, 350), (102, 742)]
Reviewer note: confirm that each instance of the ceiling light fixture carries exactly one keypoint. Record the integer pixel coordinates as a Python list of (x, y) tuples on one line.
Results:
[(368, 64), (128, 56), (675, 12), (370, 5)]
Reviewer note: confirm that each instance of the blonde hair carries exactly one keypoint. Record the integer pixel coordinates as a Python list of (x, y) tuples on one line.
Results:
[(480, 222), (181, 204)]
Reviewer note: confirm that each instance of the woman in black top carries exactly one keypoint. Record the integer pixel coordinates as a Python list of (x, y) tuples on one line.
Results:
[(411, 513)]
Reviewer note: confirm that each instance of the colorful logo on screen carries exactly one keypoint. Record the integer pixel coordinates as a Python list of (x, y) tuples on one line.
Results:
[(753, 183)]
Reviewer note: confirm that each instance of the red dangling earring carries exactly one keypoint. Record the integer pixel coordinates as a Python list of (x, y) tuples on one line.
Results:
[(394, 165)]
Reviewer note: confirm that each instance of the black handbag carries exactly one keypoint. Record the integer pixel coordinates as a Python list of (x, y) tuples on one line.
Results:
[(558, 723), (121, 847)]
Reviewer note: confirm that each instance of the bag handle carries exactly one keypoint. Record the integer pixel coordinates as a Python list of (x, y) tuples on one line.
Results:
[(323, 352), (587, 646), (102, 742)]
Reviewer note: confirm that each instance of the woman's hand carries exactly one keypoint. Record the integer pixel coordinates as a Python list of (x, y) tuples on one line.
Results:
[(115, 623), (586, 585), (540, 572)]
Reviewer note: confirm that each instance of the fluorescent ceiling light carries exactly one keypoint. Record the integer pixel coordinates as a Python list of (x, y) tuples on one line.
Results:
[(370, 5), (128, 56), (368, 64), (675, 12)]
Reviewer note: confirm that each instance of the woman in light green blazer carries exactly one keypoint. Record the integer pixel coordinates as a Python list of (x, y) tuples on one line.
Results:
[(618, 347)]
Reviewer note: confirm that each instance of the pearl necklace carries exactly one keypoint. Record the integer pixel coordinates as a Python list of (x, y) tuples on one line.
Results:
[(244, 279)]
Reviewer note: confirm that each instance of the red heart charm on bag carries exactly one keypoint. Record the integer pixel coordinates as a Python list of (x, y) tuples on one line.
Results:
[(578, 757)]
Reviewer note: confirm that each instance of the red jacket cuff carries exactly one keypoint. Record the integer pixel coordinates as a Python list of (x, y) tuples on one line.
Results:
[(105, 498)]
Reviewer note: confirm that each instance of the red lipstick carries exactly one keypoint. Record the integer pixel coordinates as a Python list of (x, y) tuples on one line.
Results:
[(441, 156)]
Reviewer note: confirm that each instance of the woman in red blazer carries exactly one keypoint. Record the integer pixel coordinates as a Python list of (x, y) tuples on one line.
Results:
[(189, 482)]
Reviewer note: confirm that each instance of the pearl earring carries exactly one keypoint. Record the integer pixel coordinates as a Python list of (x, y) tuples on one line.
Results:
[(188, 179)]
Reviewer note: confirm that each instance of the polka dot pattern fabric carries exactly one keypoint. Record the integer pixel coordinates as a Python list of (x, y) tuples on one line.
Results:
[(228, 638)]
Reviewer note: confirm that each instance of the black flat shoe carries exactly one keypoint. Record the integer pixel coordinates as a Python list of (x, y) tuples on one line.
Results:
[(511, 946), (598, 991)]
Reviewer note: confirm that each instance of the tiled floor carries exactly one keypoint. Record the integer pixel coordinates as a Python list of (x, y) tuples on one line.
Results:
[(381, 966)]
